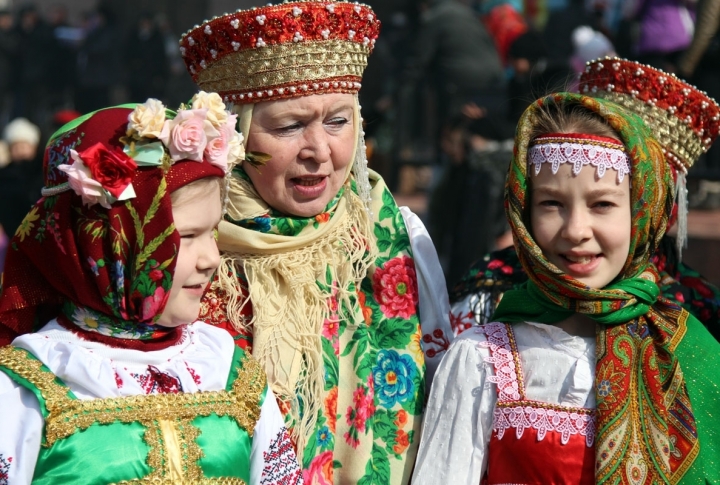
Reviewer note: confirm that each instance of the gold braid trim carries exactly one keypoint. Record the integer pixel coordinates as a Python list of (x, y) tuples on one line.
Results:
[(284, 64), (67, 416), (675, 136), (167, 481)]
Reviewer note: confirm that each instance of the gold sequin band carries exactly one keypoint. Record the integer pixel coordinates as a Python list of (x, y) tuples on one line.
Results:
[(286, 70)]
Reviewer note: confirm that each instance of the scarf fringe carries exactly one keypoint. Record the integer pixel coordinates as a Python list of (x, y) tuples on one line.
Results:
[(290, 307)]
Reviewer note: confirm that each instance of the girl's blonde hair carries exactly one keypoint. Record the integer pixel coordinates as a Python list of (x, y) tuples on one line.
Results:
[(570, 118)]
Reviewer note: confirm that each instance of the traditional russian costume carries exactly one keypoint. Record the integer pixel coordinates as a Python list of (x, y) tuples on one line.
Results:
[(102, 394), (346, 309)]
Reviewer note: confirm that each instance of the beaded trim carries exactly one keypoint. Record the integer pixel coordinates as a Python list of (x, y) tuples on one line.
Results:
[(513, 410), (686, 120), (282, 51), (579, 150)]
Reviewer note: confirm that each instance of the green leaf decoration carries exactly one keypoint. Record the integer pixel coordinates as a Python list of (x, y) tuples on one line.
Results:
[(146, 154), (137, 224), (395, 333), (377, 470), (152, 246), (331, 365)]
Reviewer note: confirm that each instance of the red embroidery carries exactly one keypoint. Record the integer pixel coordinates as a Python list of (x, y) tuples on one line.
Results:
[(437, 339), (281, 465), (155, 381), (118, 380), (5, 469), (194, 374)]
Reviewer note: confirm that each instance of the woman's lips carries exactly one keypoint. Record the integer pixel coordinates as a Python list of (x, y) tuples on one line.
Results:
[(580, 265), (309, 186), (197, 290)]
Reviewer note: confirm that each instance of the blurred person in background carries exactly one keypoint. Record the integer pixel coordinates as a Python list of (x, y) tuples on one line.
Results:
[(504, 23), (664, 30), (65, 39), (21, 179), (588, 44), (33, 68), (145, 61), (8, 54), (98, 66)]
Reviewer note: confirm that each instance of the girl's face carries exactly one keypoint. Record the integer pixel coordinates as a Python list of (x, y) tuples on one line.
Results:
[(195, 219), (311, 141), (582, 223)]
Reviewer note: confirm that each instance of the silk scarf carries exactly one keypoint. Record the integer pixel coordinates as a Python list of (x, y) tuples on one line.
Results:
[(646, 428)]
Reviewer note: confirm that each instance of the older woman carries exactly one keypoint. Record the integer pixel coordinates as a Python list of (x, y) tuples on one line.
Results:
[(328, 282)]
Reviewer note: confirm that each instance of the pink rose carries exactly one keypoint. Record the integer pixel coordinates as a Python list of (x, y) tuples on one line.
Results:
[(320, 471), (187, 135), (82, 182), (218, 148), (395, 287)]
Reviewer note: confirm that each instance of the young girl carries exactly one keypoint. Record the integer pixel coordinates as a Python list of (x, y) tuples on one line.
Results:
[(121, 386), (596, 378)]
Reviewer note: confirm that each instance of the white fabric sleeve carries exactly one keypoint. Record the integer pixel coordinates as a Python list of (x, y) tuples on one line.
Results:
[(273, 459), (458, 419), (433, 301), (21, 432)]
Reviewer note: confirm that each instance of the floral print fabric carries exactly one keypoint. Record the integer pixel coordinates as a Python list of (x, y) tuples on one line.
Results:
[(367, 429)]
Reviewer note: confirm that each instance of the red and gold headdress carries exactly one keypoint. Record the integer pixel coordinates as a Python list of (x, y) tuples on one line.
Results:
[(685, 120), (282, 51)]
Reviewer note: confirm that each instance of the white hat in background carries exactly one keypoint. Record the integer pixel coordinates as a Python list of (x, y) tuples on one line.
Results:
[(20, 129)]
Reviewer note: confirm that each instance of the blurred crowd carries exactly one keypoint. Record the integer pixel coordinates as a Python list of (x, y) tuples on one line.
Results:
[(443, 90)]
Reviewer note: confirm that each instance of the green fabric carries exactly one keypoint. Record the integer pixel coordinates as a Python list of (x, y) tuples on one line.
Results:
[(110, 453), (699, 358), (651, 395)]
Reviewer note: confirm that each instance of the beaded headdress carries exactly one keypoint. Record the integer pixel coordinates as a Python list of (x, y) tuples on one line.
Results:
[(684, 119), (282, 51), (601, 152)]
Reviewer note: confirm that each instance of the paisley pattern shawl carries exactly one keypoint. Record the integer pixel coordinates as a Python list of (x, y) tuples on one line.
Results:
[(646, 428)]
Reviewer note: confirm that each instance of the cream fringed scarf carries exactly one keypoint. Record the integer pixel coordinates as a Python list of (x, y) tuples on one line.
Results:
[(289, 307)]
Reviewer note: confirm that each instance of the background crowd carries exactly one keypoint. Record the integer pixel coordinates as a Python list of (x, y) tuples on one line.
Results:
[(443, 90)]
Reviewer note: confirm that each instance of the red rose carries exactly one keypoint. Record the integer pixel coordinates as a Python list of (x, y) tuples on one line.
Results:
[(395, 287), (113, 169), (156, 275)]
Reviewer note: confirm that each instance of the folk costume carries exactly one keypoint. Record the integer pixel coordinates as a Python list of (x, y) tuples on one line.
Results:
[(102, 394), (633, 405), (333, 306), (685, 121)]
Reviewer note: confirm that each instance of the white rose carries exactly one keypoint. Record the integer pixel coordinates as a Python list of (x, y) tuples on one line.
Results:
[(148, 118), (236, 152), (215, 106)]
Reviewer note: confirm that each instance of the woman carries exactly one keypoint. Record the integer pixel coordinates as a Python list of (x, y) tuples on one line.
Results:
[(323, 277)]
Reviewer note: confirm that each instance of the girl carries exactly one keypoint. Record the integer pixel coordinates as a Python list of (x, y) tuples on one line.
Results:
[(121, 386), (597, 378)]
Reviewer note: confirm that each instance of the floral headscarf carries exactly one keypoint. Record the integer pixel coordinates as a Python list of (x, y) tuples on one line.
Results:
[(100, 246), (643, 407)]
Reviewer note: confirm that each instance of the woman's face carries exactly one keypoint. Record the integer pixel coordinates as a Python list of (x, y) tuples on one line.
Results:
[(582, 223), (311, 141)]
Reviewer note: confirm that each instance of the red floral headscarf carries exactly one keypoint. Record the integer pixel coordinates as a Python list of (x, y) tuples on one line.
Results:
[(101, 251)]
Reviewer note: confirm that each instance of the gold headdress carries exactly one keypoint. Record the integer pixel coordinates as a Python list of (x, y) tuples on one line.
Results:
[(282, 51)]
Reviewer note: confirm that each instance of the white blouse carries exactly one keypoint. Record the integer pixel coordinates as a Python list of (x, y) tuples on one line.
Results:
[(558, 368), (200, 361)]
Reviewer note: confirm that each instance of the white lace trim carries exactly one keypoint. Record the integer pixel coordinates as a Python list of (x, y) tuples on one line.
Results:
[(580, 154), (543, 420), (501, 356), (521, 417)]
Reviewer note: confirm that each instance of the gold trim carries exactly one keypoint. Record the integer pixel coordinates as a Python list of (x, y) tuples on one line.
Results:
[(67, 416), (167, 481), (674, 135), (277, 65)]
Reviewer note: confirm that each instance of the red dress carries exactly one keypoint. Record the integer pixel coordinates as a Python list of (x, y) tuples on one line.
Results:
[(533, 442)]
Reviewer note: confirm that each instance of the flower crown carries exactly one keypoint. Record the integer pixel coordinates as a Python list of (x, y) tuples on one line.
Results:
[(155, 137)]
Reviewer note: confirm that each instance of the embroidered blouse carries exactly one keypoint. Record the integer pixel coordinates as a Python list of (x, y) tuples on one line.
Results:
[(558, 369), (202, 361)]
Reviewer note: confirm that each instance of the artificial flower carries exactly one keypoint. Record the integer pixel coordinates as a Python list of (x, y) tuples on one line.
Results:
[(147, 119), (216, 113), (187, 135), (112, 169), (218, 148), (81, 181)]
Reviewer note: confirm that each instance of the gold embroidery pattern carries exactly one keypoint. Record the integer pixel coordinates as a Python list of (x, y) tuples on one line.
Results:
[(282, 64), (67, 416), (202, 481)]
